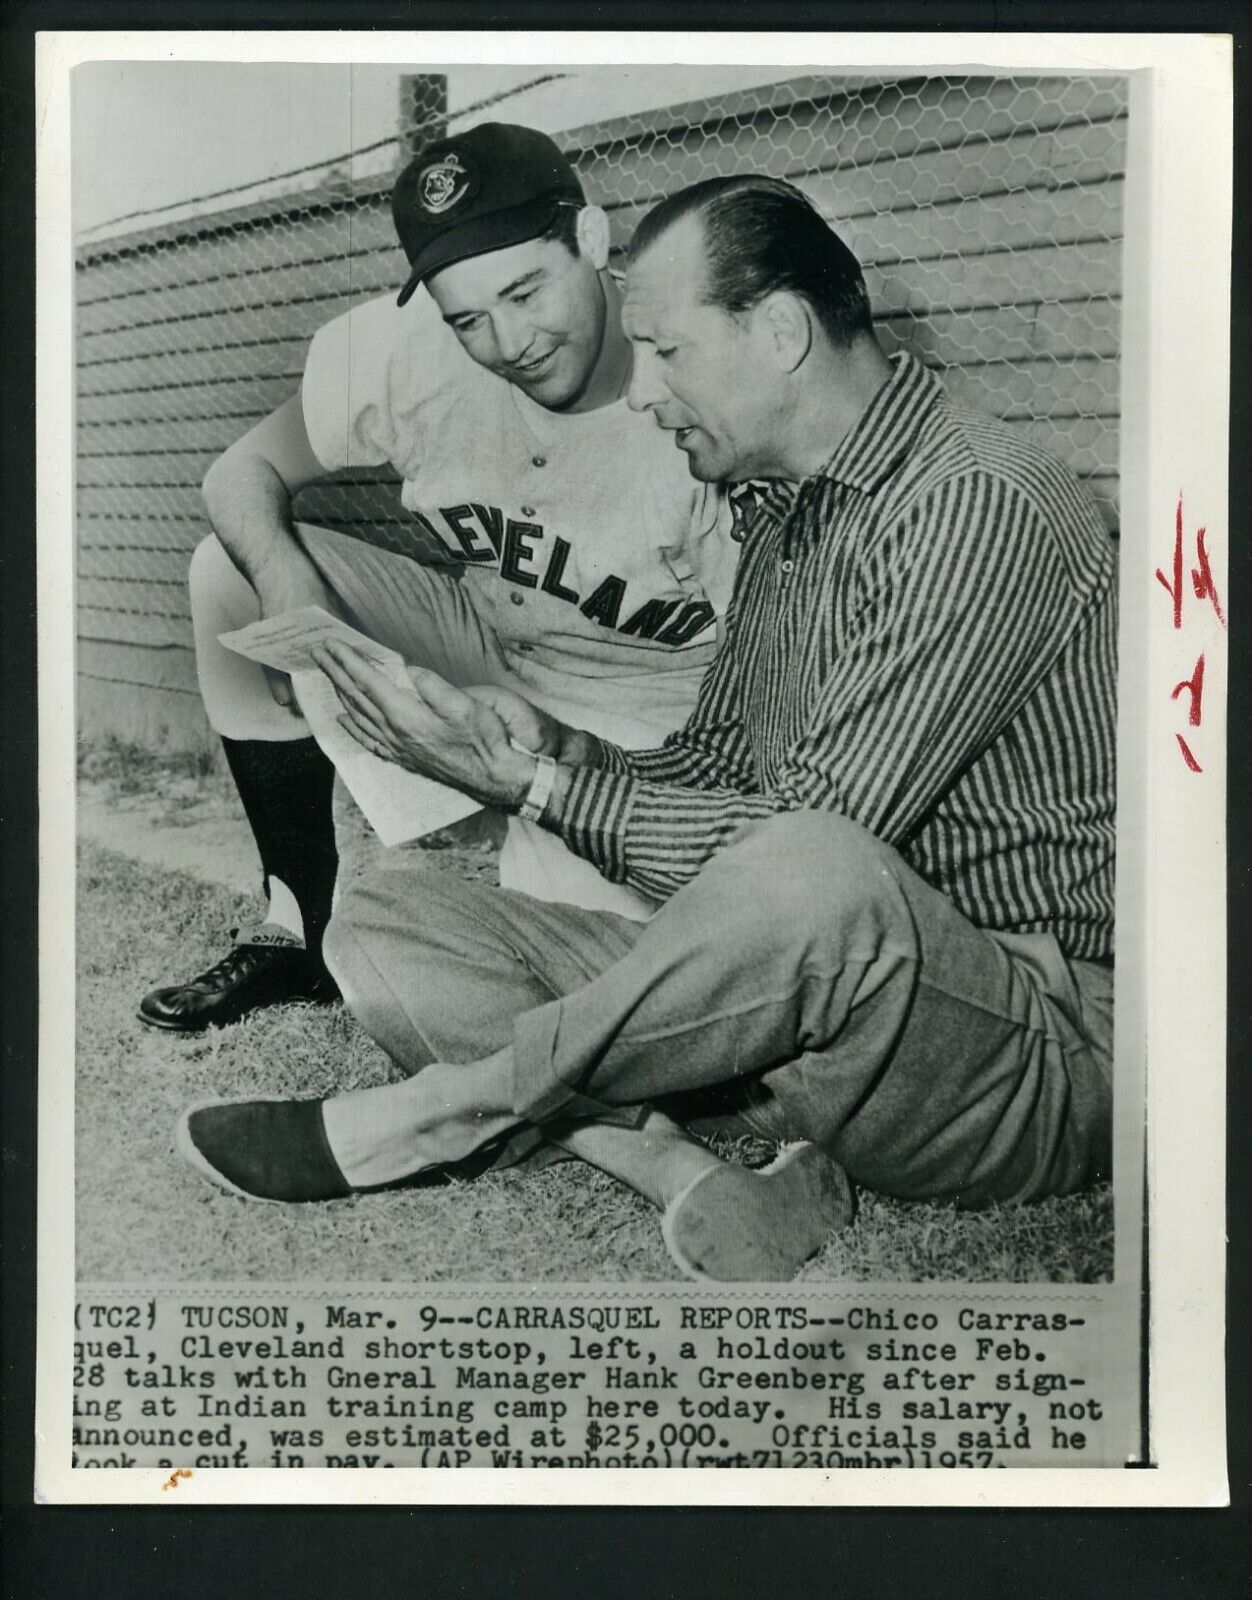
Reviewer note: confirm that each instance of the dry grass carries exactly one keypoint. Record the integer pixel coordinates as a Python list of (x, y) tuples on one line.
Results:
[(143, 1218)]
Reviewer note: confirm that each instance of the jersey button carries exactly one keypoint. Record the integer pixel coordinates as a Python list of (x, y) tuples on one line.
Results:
[(538, 461), (528, 511), (516, 598)]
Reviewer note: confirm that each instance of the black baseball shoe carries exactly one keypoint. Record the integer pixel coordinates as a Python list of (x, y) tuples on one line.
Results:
[(265, 967)]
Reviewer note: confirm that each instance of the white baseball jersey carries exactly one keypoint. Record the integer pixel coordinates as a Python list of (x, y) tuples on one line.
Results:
[(600, 564)]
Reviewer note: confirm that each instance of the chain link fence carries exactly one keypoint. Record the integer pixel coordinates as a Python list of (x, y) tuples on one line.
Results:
[(987, 213)]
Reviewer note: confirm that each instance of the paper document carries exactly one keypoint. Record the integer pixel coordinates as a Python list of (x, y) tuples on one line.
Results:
[(399, 805), (286, 642)]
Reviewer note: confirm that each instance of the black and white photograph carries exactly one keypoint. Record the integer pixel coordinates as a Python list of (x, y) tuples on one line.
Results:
[(596, 715)]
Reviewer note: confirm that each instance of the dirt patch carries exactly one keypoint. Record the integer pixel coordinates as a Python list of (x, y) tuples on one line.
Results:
[(212, 842), (186, 817)]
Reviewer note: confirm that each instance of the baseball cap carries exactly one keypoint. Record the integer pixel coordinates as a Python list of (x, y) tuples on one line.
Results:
[(487, 188)]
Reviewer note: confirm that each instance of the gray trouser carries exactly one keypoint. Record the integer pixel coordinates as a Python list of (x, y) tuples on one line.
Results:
[(806, 980)]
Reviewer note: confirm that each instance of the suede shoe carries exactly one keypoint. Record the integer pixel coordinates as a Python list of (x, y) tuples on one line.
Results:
[(733, 1225), (261, 969), (271, 1149)]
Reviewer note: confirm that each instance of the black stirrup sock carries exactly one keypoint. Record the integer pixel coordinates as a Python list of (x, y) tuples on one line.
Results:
[(286, 787)]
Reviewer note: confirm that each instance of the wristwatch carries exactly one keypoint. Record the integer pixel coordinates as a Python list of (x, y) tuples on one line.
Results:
[(540, 791)]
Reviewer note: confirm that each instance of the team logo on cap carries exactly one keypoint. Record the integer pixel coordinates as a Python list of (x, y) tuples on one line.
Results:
[(442, 184)]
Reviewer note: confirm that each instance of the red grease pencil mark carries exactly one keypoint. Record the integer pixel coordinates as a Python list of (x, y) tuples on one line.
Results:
[(1202, 579), (1175, 588), (1203, 588), (1201, 576), (1194, 686)]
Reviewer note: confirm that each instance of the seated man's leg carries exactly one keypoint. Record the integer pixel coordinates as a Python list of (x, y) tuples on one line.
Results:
[(931, 1058), (449, 985), (482, 957), (438, 969), (284, 780)]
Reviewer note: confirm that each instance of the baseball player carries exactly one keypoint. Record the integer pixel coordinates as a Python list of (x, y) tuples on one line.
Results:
[(566, 550)]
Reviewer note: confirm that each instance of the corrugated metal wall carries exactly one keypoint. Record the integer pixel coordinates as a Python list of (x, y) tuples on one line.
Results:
[(987, 214)]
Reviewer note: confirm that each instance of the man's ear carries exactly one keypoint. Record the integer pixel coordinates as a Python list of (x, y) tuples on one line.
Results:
[(786, 320), (593, 236)]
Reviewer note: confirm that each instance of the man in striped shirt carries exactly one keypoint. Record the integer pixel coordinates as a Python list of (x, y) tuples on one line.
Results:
[(883, 840)]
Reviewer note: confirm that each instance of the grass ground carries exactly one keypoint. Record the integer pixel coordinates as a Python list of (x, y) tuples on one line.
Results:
[(143, 1217)]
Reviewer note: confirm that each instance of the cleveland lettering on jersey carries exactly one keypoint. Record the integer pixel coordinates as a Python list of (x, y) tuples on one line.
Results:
[(484, 534)]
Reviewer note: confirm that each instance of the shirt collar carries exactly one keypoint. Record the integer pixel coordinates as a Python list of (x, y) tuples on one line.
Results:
[(876, 443)]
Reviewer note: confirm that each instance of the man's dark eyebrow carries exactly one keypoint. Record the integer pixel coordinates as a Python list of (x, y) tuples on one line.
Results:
[(518, 283), (509, 288)]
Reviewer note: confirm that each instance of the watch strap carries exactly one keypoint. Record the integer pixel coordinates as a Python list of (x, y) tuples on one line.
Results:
[(540, 791)]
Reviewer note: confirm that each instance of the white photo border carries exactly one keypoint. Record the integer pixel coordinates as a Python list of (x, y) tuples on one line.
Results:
[(1171, 1002)]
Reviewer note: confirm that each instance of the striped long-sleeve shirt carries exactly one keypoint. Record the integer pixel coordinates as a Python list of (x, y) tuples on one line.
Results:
[(922, 638)]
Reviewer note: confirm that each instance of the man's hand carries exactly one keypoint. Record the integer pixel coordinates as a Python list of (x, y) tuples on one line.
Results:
[(531, 728), (284, 585), (538, 730), (433, 728)]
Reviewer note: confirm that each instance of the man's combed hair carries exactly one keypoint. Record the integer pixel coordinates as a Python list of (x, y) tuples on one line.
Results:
[(762, 234), (563, 229)]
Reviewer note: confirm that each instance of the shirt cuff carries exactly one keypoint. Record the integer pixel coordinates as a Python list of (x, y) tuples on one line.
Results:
[(593, 818), (607, 757)]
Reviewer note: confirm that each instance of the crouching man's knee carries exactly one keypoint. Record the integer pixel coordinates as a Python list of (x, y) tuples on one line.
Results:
[(219, 591)]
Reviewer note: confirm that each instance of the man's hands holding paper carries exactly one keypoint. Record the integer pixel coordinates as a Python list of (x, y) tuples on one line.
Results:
[(466, 738), (283, 587)]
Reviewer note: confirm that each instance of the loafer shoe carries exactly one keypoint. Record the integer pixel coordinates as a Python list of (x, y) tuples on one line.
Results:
[(733, 1225), (270, 1149), (250, 976)]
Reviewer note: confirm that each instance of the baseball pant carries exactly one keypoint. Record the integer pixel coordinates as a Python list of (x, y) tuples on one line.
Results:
[(418, 611), (805, 983), (428, 616)]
